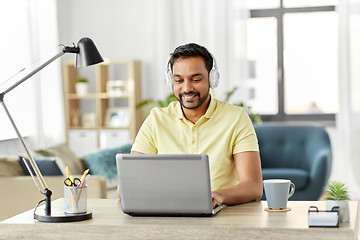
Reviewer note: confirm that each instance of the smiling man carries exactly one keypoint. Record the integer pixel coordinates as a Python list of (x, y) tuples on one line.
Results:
[(198, 123)]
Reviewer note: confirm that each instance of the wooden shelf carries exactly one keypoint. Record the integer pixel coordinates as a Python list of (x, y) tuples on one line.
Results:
[(107, 96), (82, 128), (88, 96), (91, 111)]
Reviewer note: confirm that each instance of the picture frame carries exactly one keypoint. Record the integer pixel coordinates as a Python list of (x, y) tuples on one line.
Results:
[(117, 117)]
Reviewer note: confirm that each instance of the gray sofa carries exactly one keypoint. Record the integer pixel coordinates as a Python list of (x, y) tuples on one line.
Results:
[(19, 193)]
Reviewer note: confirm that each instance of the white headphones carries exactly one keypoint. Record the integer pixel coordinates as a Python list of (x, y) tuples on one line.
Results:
[(214, 74)]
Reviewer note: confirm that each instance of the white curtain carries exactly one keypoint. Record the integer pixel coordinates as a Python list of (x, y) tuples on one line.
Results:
[(30, 37), (50, 113), (347, 158), (220, 26)]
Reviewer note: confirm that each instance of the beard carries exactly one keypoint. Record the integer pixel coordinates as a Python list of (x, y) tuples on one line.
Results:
[(201, 99)]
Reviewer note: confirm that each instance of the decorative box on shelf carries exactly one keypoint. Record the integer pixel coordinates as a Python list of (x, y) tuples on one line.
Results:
[(116, 88)]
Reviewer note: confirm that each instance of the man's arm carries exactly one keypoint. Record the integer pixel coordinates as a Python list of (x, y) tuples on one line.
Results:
[(250, 187), (135, 152)]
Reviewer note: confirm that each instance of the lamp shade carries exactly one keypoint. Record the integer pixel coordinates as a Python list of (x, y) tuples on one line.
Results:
[(88, 53)]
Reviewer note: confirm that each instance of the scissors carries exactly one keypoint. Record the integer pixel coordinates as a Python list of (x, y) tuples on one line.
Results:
[(74, 183)]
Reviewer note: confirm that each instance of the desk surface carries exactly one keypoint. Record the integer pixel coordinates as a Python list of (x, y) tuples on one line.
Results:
[(244, 221)]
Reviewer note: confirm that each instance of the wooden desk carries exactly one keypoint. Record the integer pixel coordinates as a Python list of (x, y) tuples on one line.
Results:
[(245, 221)]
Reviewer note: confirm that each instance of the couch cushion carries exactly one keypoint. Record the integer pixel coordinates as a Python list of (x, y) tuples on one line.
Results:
[(68, 158), (10, 166), (102, 162), (298, 176), (46, 165)]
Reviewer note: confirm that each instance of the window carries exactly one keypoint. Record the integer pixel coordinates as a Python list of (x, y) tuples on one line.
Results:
[(292, 53), (31, 39), (15, 56)]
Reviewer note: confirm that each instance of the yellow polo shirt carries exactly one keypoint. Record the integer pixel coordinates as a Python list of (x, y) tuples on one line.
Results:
[(223, 131)]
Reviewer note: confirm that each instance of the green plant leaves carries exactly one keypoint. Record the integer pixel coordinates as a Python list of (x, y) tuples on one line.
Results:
[(253, 116), (82, 80), (158, 103), (337, 191)]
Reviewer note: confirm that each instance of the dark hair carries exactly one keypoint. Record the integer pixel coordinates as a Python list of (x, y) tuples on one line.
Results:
[(192, 50)]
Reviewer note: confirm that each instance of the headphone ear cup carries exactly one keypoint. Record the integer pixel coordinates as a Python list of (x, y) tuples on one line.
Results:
[(168, 76), (214, 77), (214, 74)]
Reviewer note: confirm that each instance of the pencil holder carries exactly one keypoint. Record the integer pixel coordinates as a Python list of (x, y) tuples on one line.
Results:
[(75, 199)]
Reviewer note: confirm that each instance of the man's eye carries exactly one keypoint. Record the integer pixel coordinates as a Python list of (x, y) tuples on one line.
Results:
[(197, 80)]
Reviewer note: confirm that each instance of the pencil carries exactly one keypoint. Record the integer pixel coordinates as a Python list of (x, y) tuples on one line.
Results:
[(82, 183), (68, 174)]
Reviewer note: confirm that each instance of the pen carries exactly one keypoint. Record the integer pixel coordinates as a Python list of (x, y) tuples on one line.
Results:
[(84, 177)]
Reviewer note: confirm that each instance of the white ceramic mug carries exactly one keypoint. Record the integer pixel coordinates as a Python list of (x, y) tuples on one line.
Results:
[(277, 192)]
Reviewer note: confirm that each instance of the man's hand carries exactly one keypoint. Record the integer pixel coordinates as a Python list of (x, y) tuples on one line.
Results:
[(118, 191), (216, 199), (248, 168)]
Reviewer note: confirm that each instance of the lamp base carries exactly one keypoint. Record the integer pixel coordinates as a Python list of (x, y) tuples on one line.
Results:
[(63, 217)]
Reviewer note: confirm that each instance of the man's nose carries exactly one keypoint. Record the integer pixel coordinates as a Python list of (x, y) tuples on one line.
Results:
[(188, 87)]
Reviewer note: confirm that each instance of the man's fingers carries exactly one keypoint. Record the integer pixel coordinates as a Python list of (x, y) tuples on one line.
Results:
[(215, 202)]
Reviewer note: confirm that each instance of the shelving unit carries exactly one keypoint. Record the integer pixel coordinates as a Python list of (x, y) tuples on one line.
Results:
[(106, 116)]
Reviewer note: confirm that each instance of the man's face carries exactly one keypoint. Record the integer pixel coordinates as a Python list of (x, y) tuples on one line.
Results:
[(190, 82)]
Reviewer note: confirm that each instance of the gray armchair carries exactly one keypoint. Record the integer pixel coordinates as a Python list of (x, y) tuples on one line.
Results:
[(301, 154)]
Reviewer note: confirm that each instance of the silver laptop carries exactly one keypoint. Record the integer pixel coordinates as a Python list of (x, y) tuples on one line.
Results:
[(165, 185)]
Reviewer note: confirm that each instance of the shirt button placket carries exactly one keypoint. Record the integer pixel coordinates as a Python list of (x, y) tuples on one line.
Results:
[(194, 147)]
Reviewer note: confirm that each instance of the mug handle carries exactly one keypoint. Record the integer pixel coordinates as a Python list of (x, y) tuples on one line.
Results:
[(292, 187)]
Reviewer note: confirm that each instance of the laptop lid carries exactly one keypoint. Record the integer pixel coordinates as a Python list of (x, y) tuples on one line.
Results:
[(164, 184)]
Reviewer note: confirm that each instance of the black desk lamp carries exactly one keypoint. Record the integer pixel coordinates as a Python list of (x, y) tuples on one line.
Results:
[(86, 55)]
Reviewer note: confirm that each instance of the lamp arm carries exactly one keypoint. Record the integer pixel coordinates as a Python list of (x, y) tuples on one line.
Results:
[(38, 174), (31, 160), (34, 72)]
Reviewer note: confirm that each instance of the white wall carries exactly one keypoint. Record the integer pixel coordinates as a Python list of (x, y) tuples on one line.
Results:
[(121, 29)]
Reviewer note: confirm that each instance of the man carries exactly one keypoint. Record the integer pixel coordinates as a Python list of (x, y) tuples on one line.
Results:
[(197, 123)]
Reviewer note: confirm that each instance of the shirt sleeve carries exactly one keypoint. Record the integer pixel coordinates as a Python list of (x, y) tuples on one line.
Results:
[(246, 139), (145, 139)]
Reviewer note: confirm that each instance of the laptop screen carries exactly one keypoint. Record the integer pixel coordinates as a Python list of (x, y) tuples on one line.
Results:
[(161, 184)]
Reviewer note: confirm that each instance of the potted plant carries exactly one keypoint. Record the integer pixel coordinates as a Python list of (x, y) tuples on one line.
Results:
[(82, 87), (337, 195)]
